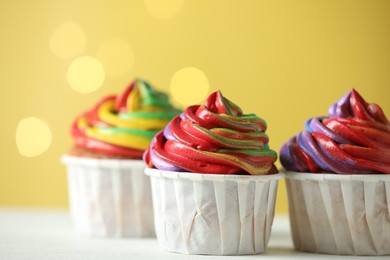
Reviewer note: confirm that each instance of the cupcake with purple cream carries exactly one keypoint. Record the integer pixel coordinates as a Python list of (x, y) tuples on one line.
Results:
[(338, 182)]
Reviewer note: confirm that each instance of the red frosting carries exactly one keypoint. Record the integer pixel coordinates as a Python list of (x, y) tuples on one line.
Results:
[(214, 138)]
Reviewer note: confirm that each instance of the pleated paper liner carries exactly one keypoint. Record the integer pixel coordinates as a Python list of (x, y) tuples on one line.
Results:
[(109, 197), (340, 214), (213, 214)]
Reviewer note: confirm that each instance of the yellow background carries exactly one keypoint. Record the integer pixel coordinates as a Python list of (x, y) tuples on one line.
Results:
[(283, 60)]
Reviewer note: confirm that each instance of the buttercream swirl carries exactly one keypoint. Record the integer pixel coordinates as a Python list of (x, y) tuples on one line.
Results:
[(214, 138), (354, 138), (123, 125)]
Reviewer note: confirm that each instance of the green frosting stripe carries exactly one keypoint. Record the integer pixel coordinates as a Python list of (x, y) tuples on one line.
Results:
[(164, 115), (263, 152), (133, 131), (152, 97)]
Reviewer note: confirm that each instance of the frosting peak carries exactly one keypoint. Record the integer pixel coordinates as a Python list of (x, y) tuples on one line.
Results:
[(354, 105), (216, 103)]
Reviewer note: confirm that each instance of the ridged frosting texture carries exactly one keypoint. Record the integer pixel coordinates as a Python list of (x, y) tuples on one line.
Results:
[(353, 138), (124, 125), (214, 138)]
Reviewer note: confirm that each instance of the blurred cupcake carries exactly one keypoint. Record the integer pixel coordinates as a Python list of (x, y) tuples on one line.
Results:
[(339, 203), (213, 181), (109, 194)]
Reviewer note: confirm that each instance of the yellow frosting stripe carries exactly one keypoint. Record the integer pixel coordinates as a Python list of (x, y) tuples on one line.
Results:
[(122, 139), (82, 123), (105, 114), (133, 100)]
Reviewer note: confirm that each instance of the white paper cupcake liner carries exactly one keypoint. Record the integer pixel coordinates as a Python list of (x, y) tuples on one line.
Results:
[(340, 214), (213, 214), (109, 198)]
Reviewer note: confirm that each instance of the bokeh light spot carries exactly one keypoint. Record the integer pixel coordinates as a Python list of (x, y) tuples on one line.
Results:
[(33, 137), (85, 74), (116, 56), (189, 86), (68, 41), (164, 9)]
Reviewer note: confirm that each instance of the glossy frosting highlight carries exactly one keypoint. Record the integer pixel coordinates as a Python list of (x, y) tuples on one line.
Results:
[(354, 138), (214, 138), (124, 125)]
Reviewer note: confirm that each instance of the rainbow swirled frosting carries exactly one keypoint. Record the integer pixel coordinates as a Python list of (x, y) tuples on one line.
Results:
[(354, 138), (215, 138), (124, 125)]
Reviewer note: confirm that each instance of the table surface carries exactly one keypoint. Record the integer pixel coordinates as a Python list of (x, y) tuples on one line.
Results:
[(48, 234)]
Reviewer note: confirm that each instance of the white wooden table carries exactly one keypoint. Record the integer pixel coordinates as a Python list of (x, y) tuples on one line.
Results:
[(48, 234)]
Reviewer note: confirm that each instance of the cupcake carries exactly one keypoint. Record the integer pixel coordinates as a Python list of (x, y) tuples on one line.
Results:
[(213, 181), (108, 193), (338, 180)]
